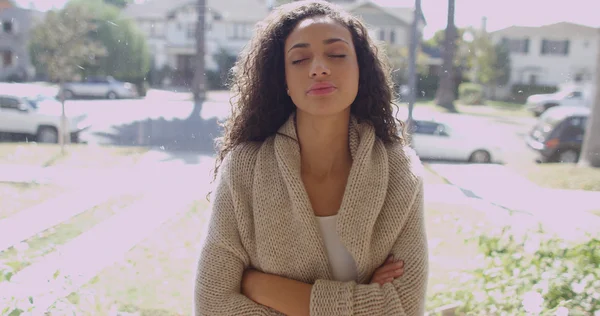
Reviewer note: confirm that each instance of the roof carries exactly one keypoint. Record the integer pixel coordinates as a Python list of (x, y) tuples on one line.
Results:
[(237, 10), (405, 14), (561, 29), (153, 9)]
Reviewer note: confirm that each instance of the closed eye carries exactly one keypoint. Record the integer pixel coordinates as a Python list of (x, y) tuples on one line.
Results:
[(298, 61), (337, 56)]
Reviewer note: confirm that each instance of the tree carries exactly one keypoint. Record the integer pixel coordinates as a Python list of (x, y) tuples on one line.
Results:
[(199, 82), (128, 56), (399, 60), (490, 63), (60, 45), (119, 3), (445, 96)]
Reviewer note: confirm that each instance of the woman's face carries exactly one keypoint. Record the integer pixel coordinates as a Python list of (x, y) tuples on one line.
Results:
[(321, 69)]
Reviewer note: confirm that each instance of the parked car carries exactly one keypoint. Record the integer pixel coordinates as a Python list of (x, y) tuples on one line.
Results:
[(38, 118), (100, 87), (572, 96), (436, 140), (558, 134)]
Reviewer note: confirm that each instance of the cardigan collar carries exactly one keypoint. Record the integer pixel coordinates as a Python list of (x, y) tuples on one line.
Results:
[(359, 210)]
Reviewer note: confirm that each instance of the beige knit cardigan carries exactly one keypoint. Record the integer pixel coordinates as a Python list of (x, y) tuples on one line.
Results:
[(262, 218)]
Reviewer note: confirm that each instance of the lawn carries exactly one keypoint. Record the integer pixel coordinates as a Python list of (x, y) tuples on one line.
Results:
[(490, 109), (29, 251), (76, 155), (565, 176), (156, 277), (15, 197)]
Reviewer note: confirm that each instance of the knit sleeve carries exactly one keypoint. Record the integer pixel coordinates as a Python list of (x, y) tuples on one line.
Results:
[(404, 296), (217, 289)]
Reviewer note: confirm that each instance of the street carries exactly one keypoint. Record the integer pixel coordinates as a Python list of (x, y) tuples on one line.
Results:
[(118, 122)]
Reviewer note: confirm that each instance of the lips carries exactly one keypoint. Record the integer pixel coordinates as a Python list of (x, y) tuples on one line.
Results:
[(321, 88)]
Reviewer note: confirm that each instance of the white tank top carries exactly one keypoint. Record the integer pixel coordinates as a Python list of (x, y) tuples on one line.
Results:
[(343, 266)]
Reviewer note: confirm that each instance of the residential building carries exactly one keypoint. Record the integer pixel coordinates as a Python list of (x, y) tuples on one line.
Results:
[(550, 55), (170, 27), (391, 25), (15, 27)]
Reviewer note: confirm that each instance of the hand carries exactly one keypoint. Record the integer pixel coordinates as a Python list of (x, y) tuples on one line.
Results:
[(389, 271)]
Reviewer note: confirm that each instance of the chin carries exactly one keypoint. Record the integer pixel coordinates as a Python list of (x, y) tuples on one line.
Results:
[(326, 109)]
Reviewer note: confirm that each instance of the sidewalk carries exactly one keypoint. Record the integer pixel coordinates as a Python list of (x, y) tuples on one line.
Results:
[(561, 210)]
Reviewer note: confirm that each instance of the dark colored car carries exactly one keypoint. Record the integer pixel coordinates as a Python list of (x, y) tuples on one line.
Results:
[(558, 134)]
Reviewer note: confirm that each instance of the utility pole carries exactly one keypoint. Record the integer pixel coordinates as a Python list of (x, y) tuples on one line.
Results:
[(445, 95), (199, 81), (412, 62), (590, 151)]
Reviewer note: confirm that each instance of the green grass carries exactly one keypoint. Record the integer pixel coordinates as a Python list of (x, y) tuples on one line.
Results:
[(156, 277), (490, 109), (47, 241), (565, 176), (76, 155), (15, 197)]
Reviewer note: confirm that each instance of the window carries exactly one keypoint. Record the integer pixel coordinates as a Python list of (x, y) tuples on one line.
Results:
[(191, 30), (7, 27), (575, 95), (7, 58), (393, 37), (382, 35), (9, 103), (520, 46), (425, 128), (552, 47)]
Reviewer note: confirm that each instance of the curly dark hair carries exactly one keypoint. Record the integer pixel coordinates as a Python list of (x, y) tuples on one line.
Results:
[(260, 104)]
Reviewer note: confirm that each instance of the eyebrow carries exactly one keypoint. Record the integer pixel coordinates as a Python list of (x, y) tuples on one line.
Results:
[(326, 42)]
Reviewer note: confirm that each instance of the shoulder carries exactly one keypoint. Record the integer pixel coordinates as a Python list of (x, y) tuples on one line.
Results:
[(238, 164), (405, 166)]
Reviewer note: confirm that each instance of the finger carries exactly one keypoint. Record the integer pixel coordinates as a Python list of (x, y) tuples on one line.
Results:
[(395, 273), (390, 259), (377, 277), (391, 266)]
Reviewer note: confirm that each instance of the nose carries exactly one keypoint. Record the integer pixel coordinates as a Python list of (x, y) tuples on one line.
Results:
[(318, 69)]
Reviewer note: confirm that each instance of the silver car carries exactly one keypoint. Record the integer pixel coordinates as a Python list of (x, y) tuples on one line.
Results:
[(100, 87)]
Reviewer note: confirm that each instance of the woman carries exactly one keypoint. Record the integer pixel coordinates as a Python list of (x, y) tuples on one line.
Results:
[(318, 208)]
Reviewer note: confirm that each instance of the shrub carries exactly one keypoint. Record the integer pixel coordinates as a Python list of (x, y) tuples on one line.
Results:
[(532, 274), (471, 93)]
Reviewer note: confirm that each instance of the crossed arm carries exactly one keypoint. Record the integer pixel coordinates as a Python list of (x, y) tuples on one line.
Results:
[(225, 286)]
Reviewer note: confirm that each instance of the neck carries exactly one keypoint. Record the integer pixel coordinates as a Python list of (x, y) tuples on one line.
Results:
[(324, 148)]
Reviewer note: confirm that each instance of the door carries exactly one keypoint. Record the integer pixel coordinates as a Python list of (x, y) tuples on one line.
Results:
[(14, 116)]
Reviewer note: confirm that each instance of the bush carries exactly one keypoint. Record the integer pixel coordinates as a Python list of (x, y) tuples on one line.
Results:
[(532, 274), (520, 92), (471, 93)]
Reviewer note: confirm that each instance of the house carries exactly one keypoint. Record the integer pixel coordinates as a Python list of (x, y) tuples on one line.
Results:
[(391, 25), (170, 27), (15, 26), (550, 55)]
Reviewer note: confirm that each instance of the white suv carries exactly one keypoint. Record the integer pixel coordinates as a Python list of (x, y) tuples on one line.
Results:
[(38, 118)]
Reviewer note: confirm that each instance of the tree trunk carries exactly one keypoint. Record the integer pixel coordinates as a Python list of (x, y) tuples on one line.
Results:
[(199, 88), (444, 96), (590, 151)]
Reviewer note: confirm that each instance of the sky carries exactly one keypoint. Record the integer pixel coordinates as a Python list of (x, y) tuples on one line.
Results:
[(500, 13)]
